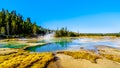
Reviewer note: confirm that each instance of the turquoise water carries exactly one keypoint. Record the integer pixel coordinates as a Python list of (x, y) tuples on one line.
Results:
[(12, 45), (74, 44)]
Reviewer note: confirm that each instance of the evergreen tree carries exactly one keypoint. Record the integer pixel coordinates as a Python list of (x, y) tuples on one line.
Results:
[(13, 24)]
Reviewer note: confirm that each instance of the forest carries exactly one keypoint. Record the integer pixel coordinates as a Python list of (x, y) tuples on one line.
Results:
[(14, 25)]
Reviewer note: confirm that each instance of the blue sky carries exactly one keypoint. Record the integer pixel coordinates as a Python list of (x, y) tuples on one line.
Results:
[(86, 16)]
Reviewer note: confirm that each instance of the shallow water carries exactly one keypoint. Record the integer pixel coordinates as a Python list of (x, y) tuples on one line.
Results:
[(12, 45), (75, 44)]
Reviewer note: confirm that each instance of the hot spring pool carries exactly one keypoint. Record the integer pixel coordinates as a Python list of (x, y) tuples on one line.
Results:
[(75, 44)]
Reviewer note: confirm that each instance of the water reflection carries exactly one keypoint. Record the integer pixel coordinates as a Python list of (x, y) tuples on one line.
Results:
[(63, 42), (58, 44), (73, 44)]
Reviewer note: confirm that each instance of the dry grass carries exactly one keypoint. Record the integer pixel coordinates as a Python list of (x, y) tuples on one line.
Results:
[(98, 37), (91, 56), (111, 57), (32, 41), (82, 55), (25, 60)]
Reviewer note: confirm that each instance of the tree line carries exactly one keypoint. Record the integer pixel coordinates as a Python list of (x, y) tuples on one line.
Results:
[(13, 25), (100, 34), (63, 32)]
